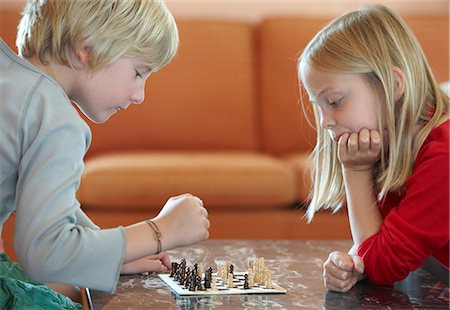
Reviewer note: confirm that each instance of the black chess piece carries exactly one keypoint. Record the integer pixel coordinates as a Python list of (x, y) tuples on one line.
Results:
[(246, 286), (207, 283), (191, 287), (173, 272)]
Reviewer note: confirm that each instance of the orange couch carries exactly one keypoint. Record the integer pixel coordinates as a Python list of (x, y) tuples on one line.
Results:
[(222, 121)]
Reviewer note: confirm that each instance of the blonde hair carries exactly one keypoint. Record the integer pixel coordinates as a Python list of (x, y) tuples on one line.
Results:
[(110, 29), (371, 42)]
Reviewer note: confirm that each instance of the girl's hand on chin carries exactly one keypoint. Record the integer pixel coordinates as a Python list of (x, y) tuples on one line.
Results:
[(359, 151)]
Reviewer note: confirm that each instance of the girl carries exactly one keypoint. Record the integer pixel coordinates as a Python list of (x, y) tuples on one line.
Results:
[(382, 146), (98, 54)]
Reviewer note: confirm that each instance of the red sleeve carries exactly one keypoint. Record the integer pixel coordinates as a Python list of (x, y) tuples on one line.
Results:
[(419, 225)]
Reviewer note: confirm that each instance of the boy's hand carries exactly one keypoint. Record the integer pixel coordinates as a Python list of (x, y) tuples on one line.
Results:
[(182, 221), (154, 263), (359, 151), (342, 271)]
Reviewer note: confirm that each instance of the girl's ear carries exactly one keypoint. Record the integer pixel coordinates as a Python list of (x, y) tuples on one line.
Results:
[(399, 82)]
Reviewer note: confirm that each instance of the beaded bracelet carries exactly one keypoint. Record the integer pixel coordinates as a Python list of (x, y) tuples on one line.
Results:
[(156, 234)]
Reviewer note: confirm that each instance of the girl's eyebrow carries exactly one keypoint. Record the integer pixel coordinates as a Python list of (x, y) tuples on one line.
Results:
[(323, 92)]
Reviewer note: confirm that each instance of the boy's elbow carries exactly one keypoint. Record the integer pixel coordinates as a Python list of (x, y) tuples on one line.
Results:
[(35, 266), (37, 263)]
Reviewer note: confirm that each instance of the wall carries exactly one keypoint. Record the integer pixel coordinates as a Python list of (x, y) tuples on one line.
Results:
[(255, 10)]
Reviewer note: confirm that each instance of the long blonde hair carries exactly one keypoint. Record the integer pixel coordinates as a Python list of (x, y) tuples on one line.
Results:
[(109, 28), (370, 42)]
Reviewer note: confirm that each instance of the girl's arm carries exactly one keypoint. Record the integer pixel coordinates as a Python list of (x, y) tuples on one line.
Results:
[(358, 153)]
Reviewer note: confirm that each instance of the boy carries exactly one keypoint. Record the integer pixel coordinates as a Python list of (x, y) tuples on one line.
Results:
[(97, 54)]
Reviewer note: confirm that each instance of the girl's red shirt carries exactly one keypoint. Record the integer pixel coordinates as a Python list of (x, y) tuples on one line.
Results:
[(416, 224)]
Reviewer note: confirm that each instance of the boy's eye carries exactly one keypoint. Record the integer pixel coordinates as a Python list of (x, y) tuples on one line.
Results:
[(138, 75)]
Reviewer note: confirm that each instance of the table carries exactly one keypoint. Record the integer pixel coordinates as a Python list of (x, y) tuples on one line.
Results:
[(296, 266)]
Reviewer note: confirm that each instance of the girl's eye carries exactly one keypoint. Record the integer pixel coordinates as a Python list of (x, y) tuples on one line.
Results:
[(335, 103), (138, 75)]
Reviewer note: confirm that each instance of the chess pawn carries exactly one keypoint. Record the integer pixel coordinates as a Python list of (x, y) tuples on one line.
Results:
[(191, 287), (246, 285), (230, 281), (224, 275), (200, 270), (251, 265), (207, 283), (214, 283), (269, 279), (227, 266), (251, 279), (219, 271), (187, 277), (173, 272), (210, 272)]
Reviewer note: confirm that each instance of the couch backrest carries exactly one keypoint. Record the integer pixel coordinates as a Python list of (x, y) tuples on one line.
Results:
[(9, 20), (204, 100), (232, 86), (284, 130)]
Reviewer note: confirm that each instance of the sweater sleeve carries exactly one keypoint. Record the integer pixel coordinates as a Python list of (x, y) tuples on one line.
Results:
[(54, 240), (418, 225)]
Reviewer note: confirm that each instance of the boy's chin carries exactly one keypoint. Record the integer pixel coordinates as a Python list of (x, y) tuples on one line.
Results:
[(98, 119)]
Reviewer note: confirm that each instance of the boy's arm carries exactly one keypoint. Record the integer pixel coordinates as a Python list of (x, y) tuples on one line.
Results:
[(84, 221)]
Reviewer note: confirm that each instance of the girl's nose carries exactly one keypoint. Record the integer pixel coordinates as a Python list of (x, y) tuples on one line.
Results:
[(326, 120)]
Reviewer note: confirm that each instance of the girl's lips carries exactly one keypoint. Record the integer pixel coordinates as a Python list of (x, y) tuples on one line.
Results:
[(337, 137), (119, 109)]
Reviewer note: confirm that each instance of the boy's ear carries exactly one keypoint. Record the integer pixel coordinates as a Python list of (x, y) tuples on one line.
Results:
[(399, 82), (81, 57)]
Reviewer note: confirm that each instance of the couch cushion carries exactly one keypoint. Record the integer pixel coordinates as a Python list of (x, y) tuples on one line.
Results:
[(204, 99), (299, 163), (223, 180)]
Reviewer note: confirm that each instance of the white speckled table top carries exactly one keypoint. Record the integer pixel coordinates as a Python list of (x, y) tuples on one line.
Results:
[(296, 266)]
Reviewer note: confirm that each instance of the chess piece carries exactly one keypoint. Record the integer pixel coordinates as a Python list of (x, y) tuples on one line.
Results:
[(246, 285), (214, 283), (210, 272), (269, 279), (191, 287), (230, 281), (173, 272), (207, 283), (251, 279), (200, 270)]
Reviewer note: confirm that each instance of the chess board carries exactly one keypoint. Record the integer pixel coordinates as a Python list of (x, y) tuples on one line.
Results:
[(222, 288)]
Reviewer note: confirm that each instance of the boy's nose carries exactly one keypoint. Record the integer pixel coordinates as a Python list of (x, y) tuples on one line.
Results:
[(138, 97)]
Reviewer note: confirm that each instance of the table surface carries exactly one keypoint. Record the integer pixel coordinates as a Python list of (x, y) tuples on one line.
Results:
[(296, 266)]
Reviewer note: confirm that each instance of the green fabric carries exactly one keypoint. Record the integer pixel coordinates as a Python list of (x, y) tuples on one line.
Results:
[(18, 291)]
